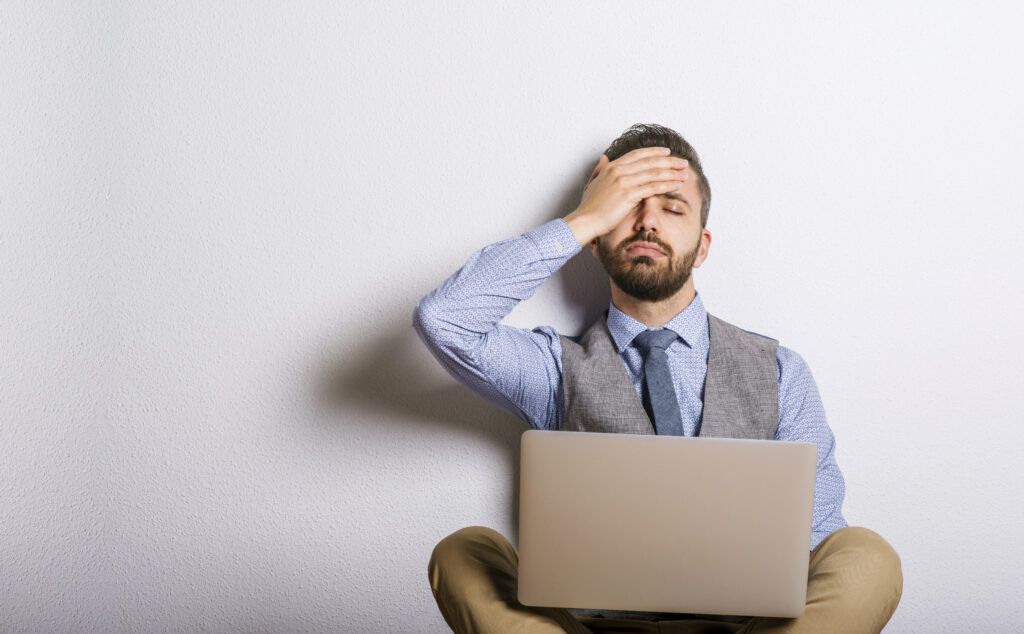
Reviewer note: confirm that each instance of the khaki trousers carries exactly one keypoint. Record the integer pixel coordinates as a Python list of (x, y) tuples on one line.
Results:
[(854, 582)]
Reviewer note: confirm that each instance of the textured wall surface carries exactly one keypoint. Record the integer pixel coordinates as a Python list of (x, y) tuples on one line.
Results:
[(216, 218)]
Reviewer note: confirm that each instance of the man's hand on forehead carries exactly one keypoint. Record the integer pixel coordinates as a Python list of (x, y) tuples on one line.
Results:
[(616, 187)]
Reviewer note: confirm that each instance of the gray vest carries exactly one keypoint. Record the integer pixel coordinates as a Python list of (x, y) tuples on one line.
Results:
[(741, 390)]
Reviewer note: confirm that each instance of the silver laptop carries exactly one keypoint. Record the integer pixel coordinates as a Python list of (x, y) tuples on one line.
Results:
[(644, 523)]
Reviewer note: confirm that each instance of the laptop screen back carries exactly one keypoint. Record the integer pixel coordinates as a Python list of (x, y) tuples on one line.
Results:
[(665, 523)]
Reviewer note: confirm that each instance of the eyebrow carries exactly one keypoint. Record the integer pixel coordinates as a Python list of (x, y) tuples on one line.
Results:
[(676, 196)]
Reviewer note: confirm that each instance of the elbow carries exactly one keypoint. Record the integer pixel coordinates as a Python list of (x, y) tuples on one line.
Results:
[(433, 323), (429, 324), (424, 320)]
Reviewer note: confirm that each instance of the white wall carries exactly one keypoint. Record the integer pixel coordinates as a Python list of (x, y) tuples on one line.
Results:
[(216, 218)]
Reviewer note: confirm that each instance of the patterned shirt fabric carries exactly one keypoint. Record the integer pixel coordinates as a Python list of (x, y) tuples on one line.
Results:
[(520, 370)]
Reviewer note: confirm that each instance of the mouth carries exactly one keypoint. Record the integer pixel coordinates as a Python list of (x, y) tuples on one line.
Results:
[(645, 248)]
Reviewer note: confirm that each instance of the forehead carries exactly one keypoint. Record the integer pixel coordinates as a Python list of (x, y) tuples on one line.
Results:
[(689, 194)]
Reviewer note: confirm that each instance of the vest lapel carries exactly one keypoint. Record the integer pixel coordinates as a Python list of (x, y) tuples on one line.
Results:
[(599, 395), (740, 388), (740, 400)]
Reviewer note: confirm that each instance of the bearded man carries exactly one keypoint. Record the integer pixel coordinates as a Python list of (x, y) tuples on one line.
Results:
[(643, 213)]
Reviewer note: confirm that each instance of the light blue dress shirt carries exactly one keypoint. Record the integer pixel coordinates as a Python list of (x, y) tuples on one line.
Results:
[(520, 370)]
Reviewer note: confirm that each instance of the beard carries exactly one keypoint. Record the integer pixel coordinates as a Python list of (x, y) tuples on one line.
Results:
[(644, 277)]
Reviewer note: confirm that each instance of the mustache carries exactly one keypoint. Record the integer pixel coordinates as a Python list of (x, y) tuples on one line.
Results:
[(645, 237)]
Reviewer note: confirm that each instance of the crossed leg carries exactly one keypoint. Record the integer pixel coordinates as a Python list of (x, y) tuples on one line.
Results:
[(855, 582)]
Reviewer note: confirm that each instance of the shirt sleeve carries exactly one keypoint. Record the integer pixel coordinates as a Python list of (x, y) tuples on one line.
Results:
[(802, 419), (516, 369)]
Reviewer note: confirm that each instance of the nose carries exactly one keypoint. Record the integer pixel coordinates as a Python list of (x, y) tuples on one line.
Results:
[(647, 216)]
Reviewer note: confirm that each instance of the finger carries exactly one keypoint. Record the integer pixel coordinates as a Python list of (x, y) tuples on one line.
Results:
[(658, 187), (664, 162), (652, 175), (639, 153)]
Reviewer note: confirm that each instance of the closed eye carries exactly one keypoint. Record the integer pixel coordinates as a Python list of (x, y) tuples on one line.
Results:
[(675, 196)]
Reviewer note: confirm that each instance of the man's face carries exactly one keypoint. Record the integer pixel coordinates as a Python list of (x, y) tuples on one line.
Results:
[(652, 252)]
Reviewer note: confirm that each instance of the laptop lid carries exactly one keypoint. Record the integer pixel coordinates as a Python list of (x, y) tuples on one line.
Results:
[(676, 524)]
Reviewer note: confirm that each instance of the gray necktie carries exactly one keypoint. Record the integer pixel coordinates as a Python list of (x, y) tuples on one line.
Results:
[(659, 393)]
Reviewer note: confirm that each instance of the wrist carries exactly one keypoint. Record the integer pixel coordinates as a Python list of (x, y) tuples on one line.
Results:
[(582, 228)]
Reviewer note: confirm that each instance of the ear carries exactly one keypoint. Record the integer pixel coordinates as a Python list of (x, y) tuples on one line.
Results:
[(705, 246)]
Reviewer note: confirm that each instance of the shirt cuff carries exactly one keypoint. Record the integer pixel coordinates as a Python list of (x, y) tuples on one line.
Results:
[(554, 241)]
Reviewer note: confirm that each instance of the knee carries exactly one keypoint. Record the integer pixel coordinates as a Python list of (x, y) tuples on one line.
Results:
[(868, 546), (464, 543), (867, 552)]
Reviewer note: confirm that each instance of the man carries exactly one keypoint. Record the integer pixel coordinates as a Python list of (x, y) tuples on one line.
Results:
[(643, 213)]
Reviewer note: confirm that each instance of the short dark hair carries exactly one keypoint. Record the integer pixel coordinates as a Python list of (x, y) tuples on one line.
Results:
[(641, 135)]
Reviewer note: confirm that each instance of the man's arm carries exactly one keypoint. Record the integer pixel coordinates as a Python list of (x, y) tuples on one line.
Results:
[(516, 369), (802, 419), (521, 370)]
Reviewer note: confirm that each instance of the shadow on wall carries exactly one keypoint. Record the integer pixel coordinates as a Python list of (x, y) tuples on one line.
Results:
[(384, 378), (582, 283), (583, 286)]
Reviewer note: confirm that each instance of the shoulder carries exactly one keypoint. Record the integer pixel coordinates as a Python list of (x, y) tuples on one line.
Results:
[(790, 358), (793, 369), (760, 336), (731, 335)]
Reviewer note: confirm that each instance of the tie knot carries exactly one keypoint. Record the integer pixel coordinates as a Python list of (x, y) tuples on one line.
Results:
[(654, 339)]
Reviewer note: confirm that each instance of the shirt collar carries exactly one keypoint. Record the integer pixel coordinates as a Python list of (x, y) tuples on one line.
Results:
[(691, 324)]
